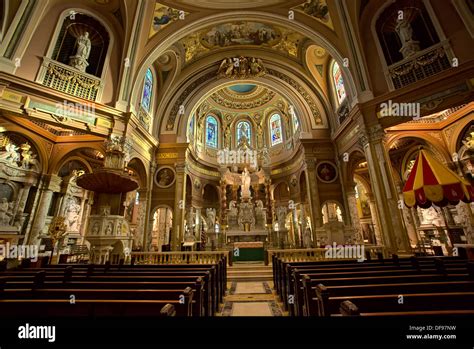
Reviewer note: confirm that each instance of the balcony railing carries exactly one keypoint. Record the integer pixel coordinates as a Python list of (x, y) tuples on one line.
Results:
[(66, 79), (428, 62)]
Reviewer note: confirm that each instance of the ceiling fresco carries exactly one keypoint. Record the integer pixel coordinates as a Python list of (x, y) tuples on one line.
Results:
[(241, 33)]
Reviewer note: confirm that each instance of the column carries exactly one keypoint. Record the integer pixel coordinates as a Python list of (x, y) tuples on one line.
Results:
[(375, 219), (394, 235), (141, 216), (179, 205), (50, 184), (20, 206), (354, 214), (313, 197)]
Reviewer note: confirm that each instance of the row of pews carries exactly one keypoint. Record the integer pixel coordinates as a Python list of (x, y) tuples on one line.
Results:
[(381, 287), (96, 291)]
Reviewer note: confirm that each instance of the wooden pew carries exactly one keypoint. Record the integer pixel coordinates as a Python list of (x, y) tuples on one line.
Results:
[(40, 278), (88, 308), (328, 297), (311, 300), (417, 302), (201, 305)]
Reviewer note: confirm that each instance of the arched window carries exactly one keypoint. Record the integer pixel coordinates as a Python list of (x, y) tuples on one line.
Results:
[(338, 83), (276, 132), (212, 129), (243, 129), (147, 90)]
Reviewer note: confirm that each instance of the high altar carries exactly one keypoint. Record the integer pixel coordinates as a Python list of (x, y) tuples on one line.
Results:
[(247, 198)]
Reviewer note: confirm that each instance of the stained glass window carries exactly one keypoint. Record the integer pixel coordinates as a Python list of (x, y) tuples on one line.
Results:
[(276, 134), (211, 131), (147, 90), (244, 129), (338, 82)]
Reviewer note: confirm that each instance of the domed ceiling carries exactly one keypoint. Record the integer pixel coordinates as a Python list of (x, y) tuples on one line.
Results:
[(244, 97)]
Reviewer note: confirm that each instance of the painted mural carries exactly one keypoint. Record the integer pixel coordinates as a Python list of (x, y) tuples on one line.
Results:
[(240, 33), (163, 16)]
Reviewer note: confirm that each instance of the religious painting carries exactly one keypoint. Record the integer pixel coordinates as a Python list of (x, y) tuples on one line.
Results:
[(164, 15), (165, 177), (211, 131), (276, 134), (326, 172), (240, 33), (147, 90)]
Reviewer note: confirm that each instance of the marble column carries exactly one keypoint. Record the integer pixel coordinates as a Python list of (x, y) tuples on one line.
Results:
[(375, 219), (141, 215), (354, 215), (394, 235), (21, 203), (50, 184), (179, 205), (313, 197)]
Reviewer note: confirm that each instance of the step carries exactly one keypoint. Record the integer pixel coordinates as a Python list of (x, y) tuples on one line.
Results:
[(249, 277)]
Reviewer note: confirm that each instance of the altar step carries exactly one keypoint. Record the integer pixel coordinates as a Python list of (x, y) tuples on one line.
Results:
[(249, 272)]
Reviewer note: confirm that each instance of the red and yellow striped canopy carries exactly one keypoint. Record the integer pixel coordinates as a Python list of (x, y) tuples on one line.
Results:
[(431, 182)]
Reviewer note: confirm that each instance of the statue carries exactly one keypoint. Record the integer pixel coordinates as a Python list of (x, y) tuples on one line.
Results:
[(11, 154), (191, 216), (79, 60), (405, 33), (28, 158), (6, 211), (245, 187), (211, 220), (242, 67), (71, 212), (108, 231)]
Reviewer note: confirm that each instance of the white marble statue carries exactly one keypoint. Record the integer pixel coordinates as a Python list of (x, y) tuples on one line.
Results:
[(72, 214), (211, 219), (11, 154), (79, 60), (245, 187), (405, 33)]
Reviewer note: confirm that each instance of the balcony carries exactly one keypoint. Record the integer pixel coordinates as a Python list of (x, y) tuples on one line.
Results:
[(428, 62), (66, 79)]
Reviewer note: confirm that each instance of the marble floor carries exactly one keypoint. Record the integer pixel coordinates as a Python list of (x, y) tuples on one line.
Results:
[(251, 299)]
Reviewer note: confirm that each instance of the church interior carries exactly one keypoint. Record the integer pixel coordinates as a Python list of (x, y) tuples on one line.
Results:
[(257, 154)]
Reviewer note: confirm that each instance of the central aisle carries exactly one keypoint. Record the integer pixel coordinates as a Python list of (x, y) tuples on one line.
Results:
[(251, 298)]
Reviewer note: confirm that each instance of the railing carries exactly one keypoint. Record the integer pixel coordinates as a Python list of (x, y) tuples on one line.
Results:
[(316, 254), (198, 257), (423, 64), (66, 79)]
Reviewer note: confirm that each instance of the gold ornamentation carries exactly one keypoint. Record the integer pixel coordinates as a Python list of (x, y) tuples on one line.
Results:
[(241, 68), (167, 155), (74, 78)]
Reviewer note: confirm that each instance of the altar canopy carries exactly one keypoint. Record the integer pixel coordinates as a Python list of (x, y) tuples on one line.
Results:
[(430, 182)]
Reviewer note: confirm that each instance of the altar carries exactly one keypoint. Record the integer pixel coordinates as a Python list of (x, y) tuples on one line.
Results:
[(248, 251)]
